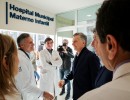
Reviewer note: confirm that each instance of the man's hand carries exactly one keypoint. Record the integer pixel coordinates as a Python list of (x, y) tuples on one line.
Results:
[(47, 96), (61, 83)]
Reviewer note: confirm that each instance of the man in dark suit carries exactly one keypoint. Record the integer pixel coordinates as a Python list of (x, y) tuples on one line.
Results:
[(104, 76), (66, 54), (85, 68)]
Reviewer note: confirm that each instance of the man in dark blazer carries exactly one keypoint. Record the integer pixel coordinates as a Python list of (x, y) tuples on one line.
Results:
[(85, 68), (104, 76)]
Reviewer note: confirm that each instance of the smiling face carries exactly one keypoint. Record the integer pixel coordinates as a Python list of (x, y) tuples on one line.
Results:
[(27, 44)]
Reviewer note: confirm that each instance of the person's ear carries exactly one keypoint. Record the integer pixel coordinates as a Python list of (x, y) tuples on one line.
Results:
[(5, 62), (84, 42), (21, 45), (111, 46)]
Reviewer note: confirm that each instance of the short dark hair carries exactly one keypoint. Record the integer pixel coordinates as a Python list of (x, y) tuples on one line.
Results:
[(21, 37), (113, 18), (48, 39)]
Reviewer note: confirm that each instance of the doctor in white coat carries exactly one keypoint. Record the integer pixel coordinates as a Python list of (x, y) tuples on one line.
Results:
[(111, 45), (25, 80), (50, 61)]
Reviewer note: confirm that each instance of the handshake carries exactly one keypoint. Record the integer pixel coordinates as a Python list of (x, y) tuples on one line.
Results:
[(48, 96)]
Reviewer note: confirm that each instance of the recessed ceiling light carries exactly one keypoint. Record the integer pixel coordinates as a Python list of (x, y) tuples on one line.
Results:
[(88, 15)]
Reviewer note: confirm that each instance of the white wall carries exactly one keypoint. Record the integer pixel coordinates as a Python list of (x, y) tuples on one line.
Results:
[(25, 26)]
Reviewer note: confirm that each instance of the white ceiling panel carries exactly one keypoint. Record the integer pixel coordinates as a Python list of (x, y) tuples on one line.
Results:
[(59, 6)]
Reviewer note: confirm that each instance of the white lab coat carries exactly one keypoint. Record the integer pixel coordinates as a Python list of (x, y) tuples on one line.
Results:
[(25, 81), (49, 74), (117, 89)]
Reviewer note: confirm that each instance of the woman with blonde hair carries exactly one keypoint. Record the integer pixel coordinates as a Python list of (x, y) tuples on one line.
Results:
[(8, 68)]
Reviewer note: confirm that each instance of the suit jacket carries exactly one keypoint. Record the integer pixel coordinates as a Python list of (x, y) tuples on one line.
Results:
[(84, 72), (117, 89), (104, 76)]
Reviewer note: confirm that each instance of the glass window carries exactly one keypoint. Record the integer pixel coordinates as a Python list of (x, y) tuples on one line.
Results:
[(65, 19), (82, 29), (87, 15), (37, 37), (65, 34)]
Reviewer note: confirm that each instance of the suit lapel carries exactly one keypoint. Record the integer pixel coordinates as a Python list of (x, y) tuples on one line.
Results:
[(99, 74), (80, 59), (77, 66), (74, 65)]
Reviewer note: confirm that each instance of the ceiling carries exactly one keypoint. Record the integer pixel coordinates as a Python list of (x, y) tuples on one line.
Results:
[(59, 6)]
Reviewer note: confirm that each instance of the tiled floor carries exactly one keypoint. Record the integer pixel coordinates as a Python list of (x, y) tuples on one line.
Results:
[(59, 97), (63, 97)]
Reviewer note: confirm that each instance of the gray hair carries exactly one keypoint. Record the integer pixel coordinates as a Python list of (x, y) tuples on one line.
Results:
[(82, 36), (65, 40), (22, 37)]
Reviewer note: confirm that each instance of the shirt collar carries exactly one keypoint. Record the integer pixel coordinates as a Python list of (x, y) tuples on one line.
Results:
[(120, 64)]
